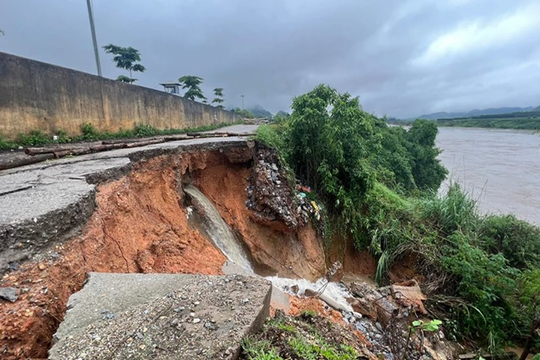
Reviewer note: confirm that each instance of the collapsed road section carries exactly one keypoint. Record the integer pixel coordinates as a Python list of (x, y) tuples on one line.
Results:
[(126, 211)]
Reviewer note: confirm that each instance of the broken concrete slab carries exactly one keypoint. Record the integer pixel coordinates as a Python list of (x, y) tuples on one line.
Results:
[(161, 316)]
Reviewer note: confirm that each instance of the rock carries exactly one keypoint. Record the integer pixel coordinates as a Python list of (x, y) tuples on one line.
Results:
[(9, 293), (370, 302), (310, 293), (409, 294)]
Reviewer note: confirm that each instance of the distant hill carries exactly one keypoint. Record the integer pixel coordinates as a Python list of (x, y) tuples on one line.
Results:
[(475, 112), (260, 112)]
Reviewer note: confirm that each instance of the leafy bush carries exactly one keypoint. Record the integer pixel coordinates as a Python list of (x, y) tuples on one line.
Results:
[(517, 240), (486, 283), (89, 132), (34, 138), (271, 136), (63, 137), (6, 144), (379, 185), (142, 130)]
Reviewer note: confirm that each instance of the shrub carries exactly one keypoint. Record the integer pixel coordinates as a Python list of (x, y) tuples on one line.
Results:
[(89, 132), (34, 138), (517, 240), (5, 143), (142, 130), (271, 136), (63, 136)]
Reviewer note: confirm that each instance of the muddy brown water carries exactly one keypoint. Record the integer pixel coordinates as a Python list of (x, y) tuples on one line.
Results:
[(499, 168)]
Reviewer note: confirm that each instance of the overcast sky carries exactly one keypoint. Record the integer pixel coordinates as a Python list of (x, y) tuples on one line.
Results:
[(402, 57)]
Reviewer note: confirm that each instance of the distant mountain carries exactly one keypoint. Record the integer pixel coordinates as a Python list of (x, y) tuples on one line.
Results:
[(260, 112), (476, 112)]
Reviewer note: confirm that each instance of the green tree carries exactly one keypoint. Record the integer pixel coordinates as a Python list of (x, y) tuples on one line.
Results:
[(427, 170), (192, 84), (126, 58), (329, 142), (219, 98), (1, 32)]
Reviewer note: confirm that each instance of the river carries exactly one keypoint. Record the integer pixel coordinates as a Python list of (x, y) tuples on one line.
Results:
[(499, 168)]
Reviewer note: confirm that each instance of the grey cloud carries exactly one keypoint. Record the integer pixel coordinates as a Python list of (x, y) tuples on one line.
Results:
[(272, 50)]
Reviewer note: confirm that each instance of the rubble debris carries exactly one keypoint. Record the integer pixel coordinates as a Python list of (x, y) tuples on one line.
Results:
[(9, 294), (270, 196), (410, 295), (371, 303)]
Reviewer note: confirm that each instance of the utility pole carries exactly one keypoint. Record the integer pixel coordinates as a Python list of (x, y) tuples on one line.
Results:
[(94, 39), (242, 96)]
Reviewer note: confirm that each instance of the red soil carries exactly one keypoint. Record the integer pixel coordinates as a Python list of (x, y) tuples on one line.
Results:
[(296, 254), (353, 261), (298, 305), (139, 226)]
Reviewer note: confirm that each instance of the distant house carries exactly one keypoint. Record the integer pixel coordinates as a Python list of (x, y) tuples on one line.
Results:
[(171, 87)]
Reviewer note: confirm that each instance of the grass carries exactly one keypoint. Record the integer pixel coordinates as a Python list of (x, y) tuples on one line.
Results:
[(297, 338), (259, 350), (90, 133)]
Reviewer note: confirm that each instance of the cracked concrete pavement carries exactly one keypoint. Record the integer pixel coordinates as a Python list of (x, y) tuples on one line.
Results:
[(48, 202)]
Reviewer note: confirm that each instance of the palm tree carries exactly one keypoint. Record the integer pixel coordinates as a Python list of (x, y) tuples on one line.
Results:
[(218, 93), (126, 58), (192, 83)]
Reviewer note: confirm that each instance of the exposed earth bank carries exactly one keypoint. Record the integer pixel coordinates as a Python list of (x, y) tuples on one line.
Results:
[(141, 225)]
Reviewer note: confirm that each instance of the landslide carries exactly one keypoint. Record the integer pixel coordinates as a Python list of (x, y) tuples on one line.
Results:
[(141, 225), (278, 238)]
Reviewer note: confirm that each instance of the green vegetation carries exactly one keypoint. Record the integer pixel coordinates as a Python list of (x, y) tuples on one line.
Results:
[(379, 186), (193, 85), (90, 133), (530, 121), (525, 120), (218, 93), (126, 58), (300, 338), (419, 325)]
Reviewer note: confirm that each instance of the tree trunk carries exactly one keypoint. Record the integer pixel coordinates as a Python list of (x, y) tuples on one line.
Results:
[(530, 340)]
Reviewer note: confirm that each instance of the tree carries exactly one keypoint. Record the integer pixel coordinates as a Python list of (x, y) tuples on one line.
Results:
[(126, 58), (218, 93), (192, 83), (427, 169), (1, 32)]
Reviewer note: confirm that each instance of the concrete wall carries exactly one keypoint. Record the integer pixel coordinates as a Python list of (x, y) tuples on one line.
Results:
[(36, 95)]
